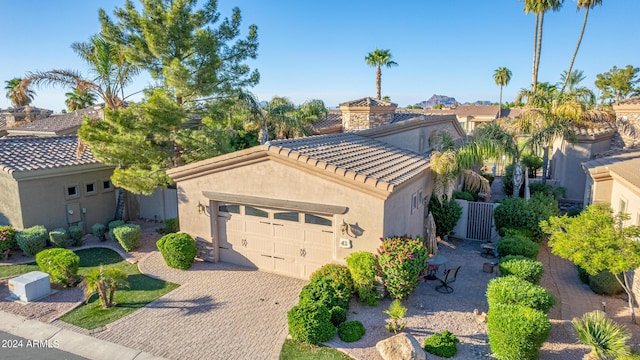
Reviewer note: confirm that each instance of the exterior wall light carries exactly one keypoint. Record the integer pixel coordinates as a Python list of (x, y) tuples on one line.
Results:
[(202, 209), (344, 227)]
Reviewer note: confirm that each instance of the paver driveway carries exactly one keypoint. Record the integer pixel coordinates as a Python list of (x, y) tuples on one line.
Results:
[(220, 311)]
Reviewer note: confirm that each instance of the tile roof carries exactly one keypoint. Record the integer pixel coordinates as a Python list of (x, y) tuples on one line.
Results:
[(21, 153), (625, 165), (439, 111), (368, 101), (477, 110), (511, 113), (59, 123), (635, 100), (397, 117), (332, 122), (595, 130), (355, 157)]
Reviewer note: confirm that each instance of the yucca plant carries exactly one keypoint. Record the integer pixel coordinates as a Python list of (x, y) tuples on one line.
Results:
[(396, 314), (607, 339)]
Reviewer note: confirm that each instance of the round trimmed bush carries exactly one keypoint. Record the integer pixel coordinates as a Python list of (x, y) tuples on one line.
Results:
[(351, 331), (61, 265), (338, 315), (583, 275), (522, 267), (441, 344), (310, 322), (128, 236), (76, 232), (363, 267), (517, 245), (339, 278), (321, 290), (517, 331), (604, 283), (178, 250), (445, 215), (513, 290), (32, 240), (99, 230), (58, 237), (7, 240), (170, 226)]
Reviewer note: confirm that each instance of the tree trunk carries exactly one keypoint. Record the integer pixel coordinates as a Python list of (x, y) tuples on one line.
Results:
[(539, 49), (630, 296), (500, 110), (535, 53), (545, 164), (378, 82), (584, 24)]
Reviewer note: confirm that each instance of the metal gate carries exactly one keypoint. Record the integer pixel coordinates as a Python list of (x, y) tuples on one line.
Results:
[(480, 221)]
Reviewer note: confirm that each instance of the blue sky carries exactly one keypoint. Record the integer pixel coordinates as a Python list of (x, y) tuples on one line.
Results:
[(316, 49)]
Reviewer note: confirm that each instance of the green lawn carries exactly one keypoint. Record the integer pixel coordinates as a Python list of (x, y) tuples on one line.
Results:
[(142, 290), (294, 350), (13, 270)]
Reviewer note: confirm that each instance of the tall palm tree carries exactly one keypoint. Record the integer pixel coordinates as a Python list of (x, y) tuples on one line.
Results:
[(79, 99), (539, 7), (379, 58), (502, 76), (571, 79), (111, 73), (586, 4), (18, 95)]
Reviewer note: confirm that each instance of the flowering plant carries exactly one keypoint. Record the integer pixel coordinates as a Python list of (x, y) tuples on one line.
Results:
[(402, 261), (7, 240)]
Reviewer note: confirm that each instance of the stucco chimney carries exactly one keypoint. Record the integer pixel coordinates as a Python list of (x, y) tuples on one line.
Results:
[(366, 113)]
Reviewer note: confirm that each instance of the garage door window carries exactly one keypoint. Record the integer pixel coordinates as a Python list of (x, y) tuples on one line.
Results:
[(251, 211), (287, 216), (232, 209), (317, 220)]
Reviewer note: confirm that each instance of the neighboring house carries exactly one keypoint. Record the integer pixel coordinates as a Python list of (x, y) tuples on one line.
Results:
[(10, 118), (615, 180), (470, 116), (44, 182), (58, 124), (291, 206)]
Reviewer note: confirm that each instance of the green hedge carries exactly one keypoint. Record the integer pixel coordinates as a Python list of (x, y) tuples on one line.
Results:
[(76, 232), (517, 245), (32, 240), (128, 236), (363, 267), (516, 331), (441, 344), (513, 290), (322, 291), (351, 331), (7, 240), (170, 226), (445, 215), (58, 237), (115, 223), (520, 213), (61, 265), (310, 322), (522, 267), (463, 195), (99, 230), (604, 283), (339, 278), (178, 250)]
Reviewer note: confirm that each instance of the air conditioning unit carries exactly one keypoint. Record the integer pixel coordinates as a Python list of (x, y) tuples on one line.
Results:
[(30, 286)]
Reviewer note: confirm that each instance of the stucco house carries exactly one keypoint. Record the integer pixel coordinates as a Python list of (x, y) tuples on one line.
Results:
[(57, 124), (44, 182), (291, 206), (470, 116), (615, 180)]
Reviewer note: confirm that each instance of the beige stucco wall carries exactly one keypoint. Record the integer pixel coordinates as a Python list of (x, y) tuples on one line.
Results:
[(620, 190), (9, 202), (399, 217), (44, 202), (275, 180)]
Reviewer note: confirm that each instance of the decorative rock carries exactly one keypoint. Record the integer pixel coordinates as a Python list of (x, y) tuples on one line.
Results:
[(401, 347)]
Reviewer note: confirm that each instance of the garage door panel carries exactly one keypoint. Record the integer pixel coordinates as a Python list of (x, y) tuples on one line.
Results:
[(258, 227), (286, 265), (259, 244), (288, 232)]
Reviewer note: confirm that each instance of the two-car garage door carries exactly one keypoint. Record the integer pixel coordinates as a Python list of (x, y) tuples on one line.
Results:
[(289, 242)]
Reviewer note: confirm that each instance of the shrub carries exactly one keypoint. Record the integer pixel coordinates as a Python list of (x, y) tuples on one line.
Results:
[(522, 267), (396, 314), (513, 290), (178, 250), (339, 279), (402, 261), (604, 283), (310, 322), (128, 236), (7, 240), (32, 240), (607, 339), (321, 290), (516, 331), (441, 344), (99, 230), (76, 232), (170, 226), (532, 162), (351, 331), (363, 267), (520, 213), (338, 315), (58, 237), (517, 245), (445, 215), (115, 223), (548, 190), (463, 195), (583, 275), (61, 264)]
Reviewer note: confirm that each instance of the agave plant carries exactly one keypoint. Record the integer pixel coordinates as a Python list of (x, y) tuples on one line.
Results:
[(607, 339)]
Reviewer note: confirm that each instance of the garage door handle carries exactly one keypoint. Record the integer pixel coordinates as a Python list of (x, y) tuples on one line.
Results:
[(303, 252), (327, 231), (279, 258), (265, 222), (274, 224)]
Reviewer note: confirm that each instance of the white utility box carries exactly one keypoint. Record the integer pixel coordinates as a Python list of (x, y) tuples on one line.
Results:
[(30, 286)]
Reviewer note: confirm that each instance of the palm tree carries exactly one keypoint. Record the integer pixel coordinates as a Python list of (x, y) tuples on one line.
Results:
[(104, 282), (502, 76), (539, 7), (379, 58), (586, 4), (571, 79), (79, 99), (111, 72), (18, 95)]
